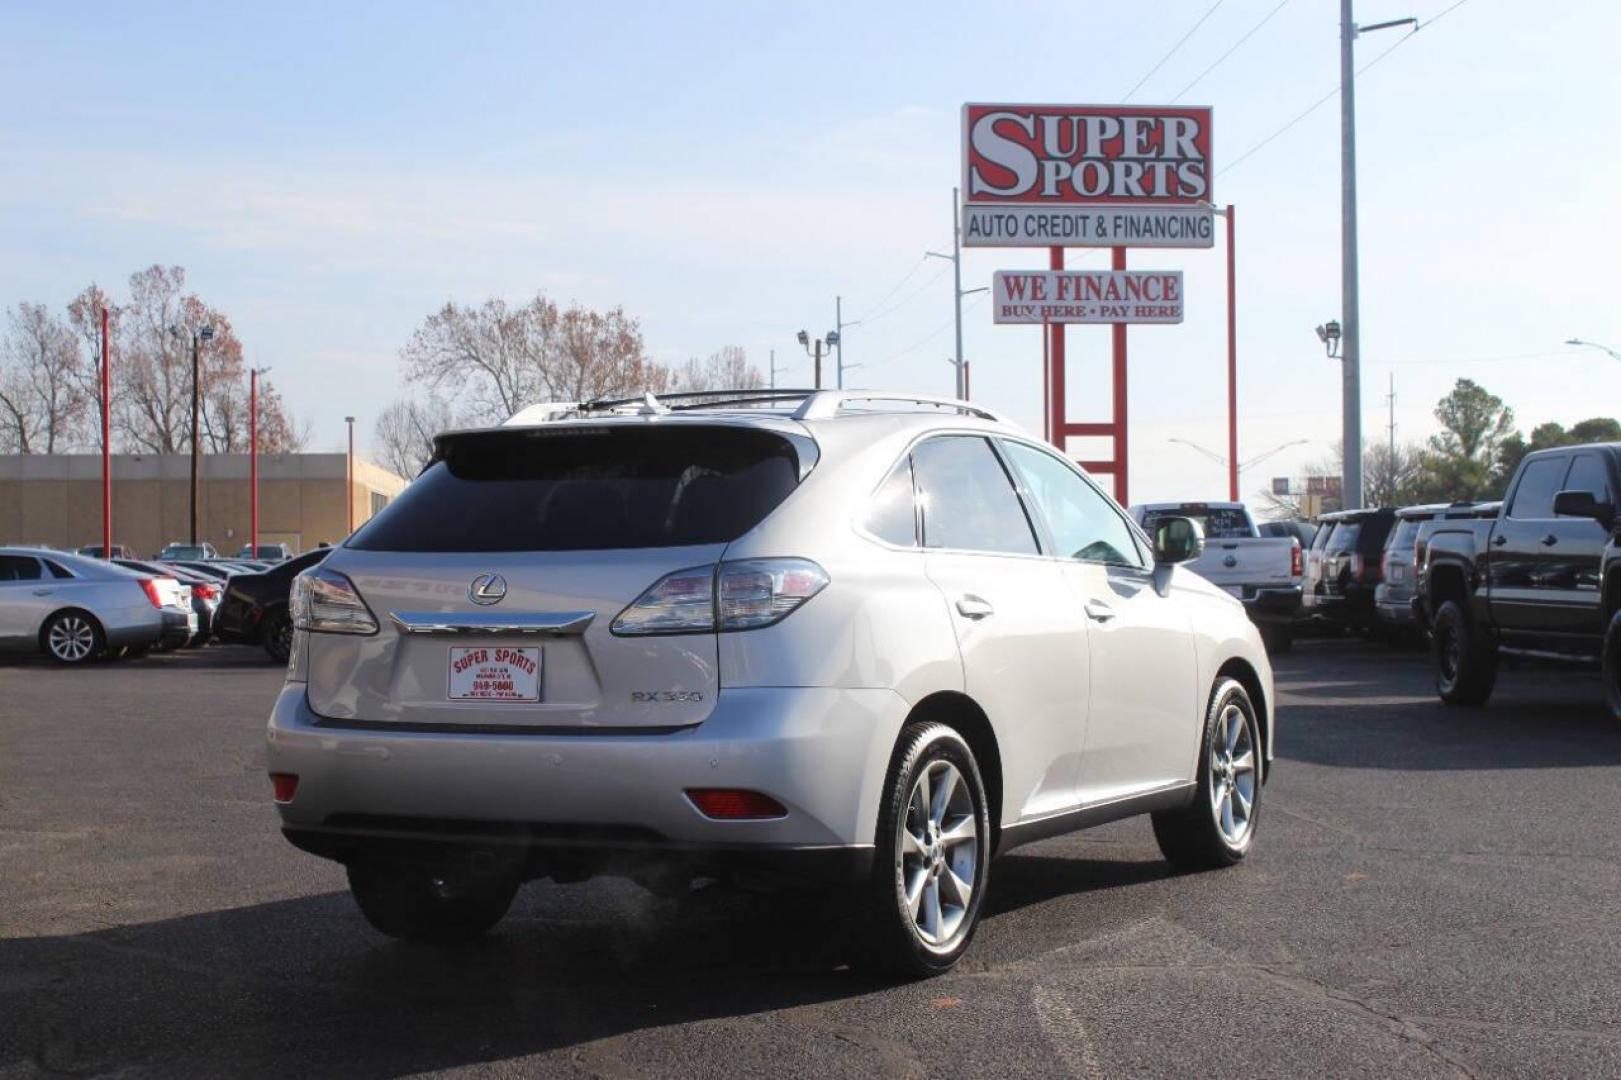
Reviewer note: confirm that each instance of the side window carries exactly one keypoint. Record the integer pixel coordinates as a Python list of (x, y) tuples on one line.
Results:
[(1587, 473), (1083, 524), (19, 568), (968, 501), (1539, 482), (57, 570), (892, 514)]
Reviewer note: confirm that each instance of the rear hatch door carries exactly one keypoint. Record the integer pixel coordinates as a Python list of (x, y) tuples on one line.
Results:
[(495, 579)]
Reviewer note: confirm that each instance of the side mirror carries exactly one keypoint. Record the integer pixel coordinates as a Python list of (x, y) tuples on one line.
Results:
[(1178, 540), (1582, 504)]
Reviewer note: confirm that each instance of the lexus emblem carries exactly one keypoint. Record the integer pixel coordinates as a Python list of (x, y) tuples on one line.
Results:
[(487, 589)]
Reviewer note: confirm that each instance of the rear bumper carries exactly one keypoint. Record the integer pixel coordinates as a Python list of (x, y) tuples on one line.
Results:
[(1354, 605), (137, 626), (602, 798), (1272, 603), (179, 627), (1393, 605)]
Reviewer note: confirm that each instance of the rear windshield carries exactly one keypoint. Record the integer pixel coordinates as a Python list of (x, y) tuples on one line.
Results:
[(1218, 523), (1344, 536), (578, 489), (1403, 535)]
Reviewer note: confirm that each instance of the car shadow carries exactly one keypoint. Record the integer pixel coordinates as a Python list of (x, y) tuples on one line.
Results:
[(305, 985), (1368, 710)]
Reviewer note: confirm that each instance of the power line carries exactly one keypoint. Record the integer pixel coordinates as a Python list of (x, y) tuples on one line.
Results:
[(1234, 48), (913, 295), (1183, 40), (1563, 354), (921, 259), (930, 336), (1320, 102)]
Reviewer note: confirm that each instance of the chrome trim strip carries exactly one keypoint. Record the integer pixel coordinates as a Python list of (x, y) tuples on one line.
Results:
[(552, 623)]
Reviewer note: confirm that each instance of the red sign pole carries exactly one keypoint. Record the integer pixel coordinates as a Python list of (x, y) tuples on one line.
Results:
[(1120, 397), (1232, 364), (106, 442), (1055, 370), (253, 461)]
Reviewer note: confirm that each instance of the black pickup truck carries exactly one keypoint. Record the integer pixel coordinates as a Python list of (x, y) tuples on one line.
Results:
[(1541, 580)]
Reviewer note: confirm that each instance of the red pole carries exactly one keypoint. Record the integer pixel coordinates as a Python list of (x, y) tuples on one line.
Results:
[(349, 476), (253, 462), (106, 443), (1232, 365), (1046, 381), (1056, 378), (1120, 495)]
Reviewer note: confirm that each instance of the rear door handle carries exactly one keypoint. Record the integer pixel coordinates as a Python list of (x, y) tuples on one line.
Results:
[(43, 592), (1550, 540), (1098, 611), (970, 606), (1499, 541)]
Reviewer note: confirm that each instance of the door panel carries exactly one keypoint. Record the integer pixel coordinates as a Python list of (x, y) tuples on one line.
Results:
[(1025, 662), (1522, 559), (1145, 712), (24, 595)]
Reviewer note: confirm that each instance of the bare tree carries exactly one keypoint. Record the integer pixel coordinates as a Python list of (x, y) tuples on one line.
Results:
[(492, 360), (405, 430), (84, 315), (727, 369), (41, 399)]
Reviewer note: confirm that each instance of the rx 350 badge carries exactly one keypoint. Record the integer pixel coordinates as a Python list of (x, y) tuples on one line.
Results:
[(665, 696)]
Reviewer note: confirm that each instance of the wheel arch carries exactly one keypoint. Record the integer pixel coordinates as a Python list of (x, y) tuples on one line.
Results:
[(963, 715), (1612, 591), (1447, 582), (1240, 670)]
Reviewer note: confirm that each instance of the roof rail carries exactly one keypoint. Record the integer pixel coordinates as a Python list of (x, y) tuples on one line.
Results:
[(825, 404)]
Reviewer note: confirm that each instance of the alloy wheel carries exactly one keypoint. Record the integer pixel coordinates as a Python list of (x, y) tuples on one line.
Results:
[(939, 845), (71, 638), (1233, 775)]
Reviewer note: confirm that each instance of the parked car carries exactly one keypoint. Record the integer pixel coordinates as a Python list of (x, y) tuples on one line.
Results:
[(208, 568), (176, 551), (74, 609), (871, 645), (254, 610), (205, 593), (1393, 596), (1541, 581), (1303, 531), (1262, 572), (96, 551), (266, 552), (1350, 566), (1311, 582)]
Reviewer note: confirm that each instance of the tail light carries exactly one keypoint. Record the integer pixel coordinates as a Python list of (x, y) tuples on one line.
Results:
[(204, 592), (283, 786), (742, 595), (729, 804), (150, 587), (1357, 564), (326, 602), (1297, 561)]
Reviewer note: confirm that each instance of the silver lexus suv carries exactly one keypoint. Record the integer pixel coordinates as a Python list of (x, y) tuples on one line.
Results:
[(773, 637)]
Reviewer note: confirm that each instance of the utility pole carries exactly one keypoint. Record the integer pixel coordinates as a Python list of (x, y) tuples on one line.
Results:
[(957, 292), (1390, 399), (349, 474), (198, 336), (1351, 479), (773, 369), (836, 338)]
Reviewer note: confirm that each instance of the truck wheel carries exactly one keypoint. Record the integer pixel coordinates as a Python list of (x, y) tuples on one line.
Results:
[(414, 903), (1612, 665), (1218, 829), (933, 855), (1278, 639), (1465, 659)]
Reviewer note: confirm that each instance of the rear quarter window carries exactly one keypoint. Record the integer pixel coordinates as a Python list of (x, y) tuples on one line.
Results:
[(590, 488)]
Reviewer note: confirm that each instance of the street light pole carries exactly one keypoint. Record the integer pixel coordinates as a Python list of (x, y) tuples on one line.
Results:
[(1615, 354), (198, 336), (106, 441), (1350, 315), (253, 460)]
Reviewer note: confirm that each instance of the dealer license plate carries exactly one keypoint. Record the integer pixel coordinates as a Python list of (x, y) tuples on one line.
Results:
[(494, 673)]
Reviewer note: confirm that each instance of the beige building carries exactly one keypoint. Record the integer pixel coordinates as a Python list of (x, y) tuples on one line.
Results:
[(55, 499)]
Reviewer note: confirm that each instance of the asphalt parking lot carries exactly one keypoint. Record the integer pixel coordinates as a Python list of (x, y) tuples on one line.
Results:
[(1434, 892)]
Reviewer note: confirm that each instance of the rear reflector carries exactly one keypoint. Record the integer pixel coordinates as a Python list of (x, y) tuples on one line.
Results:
[(1297, 564), (285, 786), (729, 804)]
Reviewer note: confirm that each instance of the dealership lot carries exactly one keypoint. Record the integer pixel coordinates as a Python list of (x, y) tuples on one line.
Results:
[(1433, 893)]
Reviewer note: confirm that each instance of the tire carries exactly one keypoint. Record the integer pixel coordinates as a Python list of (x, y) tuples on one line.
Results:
[(1465, 659), (415, 903), (278, 635), (926, 858), (1218, 829), (1612, 665), (72, 637), (1278, 639)]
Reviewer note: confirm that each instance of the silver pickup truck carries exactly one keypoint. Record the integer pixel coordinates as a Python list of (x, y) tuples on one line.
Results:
[(1264, 572)]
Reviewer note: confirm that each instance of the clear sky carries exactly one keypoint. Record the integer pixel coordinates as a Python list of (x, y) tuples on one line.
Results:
[(330, 173)]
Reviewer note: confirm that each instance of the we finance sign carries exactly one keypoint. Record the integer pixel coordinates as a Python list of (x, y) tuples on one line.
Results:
[(1087, 296), (1086, 176)]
